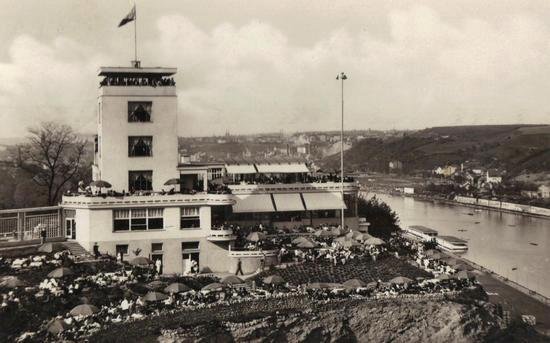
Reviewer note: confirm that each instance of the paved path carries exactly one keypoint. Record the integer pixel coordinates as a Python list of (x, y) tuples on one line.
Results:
[(515, 301)]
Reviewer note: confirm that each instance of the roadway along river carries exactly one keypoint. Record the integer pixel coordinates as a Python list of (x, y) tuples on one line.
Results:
[(500, 241)]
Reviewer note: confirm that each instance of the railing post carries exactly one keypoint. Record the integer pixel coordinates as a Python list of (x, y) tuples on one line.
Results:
[(20, 225)]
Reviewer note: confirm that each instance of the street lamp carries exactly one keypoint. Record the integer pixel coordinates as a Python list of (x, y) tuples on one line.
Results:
[(342, 77)]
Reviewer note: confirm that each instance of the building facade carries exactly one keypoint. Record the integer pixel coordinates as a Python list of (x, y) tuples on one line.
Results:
[(181, 213)]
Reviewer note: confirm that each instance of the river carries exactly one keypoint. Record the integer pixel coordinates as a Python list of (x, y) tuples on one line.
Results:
[(500, 241)]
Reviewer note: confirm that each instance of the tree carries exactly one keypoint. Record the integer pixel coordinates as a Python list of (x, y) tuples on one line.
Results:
[(54, 155), (383, 220)]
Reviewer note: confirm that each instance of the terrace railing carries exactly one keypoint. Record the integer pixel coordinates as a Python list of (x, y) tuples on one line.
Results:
[(252, 253), (20, 224)]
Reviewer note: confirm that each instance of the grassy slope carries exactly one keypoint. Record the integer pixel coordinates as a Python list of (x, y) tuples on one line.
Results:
[(512, 147)]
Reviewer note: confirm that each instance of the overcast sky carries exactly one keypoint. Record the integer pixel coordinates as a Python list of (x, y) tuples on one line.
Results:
[(263, 66)]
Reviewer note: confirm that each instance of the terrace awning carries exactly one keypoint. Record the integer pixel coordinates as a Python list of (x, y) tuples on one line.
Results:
[(253, 203), (323, 201), (240, 169), (288, 202), (282, 168)]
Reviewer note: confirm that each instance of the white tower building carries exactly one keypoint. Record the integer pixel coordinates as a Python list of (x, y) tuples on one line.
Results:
[(137, 143)]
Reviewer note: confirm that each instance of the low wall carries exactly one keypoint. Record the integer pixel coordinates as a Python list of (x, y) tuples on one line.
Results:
[(506, 206)]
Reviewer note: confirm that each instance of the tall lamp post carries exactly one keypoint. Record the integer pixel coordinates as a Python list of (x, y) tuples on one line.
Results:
[(342, 77)]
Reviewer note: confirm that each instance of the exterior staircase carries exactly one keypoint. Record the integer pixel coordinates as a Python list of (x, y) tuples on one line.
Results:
[(77, 250)]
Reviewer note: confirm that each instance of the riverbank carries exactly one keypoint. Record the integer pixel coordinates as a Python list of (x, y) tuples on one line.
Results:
[(491, 205), (513, 297)]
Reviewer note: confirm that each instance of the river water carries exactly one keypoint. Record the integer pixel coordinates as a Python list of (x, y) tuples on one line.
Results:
[(500, 241)]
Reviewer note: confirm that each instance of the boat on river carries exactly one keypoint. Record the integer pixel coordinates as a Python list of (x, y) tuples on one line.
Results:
[(452, 244), (421, 232)]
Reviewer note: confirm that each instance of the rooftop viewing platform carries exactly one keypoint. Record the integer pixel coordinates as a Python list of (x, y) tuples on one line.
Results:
[(152, 198), (137, 72), (137, 77)]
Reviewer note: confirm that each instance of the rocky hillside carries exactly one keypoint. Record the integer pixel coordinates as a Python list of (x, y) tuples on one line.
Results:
[(382, 321), (515, 148)]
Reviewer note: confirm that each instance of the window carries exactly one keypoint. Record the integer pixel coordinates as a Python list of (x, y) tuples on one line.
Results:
[(139, 111), (138, 219), (215, 173), (122, 248), (189, 246), (140, 146), (190, 218), (121, 220), (156, 247), (140, 180), (155, 220)]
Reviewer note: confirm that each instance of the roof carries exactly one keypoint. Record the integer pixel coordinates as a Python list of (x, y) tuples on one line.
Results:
[(253, 203), (323, 201), (288, 202), (282, 168), (422, 229), (158, 71), (240, 169), (452, 239)]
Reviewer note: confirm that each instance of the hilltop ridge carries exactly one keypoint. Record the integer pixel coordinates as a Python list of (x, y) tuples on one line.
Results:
[(514, 148)]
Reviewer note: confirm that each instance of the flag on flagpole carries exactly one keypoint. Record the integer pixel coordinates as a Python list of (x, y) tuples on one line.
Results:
[(129, 17)]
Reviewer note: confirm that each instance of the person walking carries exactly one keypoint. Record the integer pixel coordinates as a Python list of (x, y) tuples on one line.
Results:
[(239, 267)]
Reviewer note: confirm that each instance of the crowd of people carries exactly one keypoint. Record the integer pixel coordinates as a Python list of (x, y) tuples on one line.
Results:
[(291, 178), (137, 81)]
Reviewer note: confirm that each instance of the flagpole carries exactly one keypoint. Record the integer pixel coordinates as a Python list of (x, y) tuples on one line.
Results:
[(135, 35)]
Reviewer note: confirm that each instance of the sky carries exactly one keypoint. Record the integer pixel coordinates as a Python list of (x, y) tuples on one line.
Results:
[(268, 66)]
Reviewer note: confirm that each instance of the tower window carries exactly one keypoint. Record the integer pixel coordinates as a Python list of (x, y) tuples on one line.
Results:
[(139, 111), (139, 146), (140, 180)]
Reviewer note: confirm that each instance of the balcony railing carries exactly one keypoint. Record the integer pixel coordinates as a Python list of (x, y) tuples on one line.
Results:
[(285, 187), (167, 199), (221, 235), (252, 253)]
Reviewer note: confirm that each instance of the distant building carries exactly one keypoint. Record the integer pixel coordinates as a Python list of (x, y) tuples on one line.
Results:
[(544, 191), (408, 190), (395, 165), (446, 171), (494, 179)]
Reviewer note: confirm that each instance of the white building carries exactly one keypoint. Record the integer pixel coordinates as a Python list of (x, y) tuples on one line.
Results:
[(137, 152)]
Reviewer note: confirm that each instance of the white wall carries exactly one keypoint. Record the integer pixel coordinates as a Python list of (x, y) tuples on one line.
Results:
[(114, 130)]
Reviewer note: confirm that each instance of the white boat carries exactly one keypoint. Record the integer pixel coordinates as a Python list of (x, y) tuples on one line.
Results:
[(421, 232), (452, 244)]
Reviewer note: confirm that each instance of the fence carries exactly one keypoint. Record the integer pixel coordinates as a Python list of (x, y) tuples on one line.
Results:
[(19, 224)]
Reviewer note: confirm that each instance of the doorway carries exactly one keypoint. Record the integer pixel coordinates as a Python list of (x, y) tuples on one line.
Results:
[(70, 228), (190, 263), (155, 258)]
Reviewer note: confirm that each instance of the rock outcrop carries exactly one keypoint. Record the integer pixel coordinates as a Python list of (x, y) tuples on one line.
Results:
[(384, 321)]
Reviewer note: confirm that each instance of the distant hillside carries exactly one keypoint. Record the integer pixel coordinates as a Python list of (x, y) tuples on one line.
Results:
[(514, 148)]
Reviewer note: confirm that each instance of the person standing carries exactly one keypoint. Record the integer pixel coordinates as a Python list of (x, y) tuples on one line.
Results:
[(43, 235), (96, 250), (239, 267), (158, 266)]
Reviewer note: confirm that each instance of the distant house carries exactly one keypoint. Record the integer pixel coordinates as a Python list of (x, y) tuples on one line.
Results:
[(408, 190), (446, 171), (302, 149), (544, 191), (493, 177), (395, 165)]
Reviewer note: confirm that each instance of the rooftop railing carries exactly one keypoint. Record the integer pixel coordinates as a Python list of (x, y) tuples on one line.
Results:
[(137, 81)]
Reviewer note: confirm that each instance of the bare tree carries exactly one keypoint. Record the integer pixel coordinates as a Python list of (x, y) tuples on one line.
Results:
[(53, 154)]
